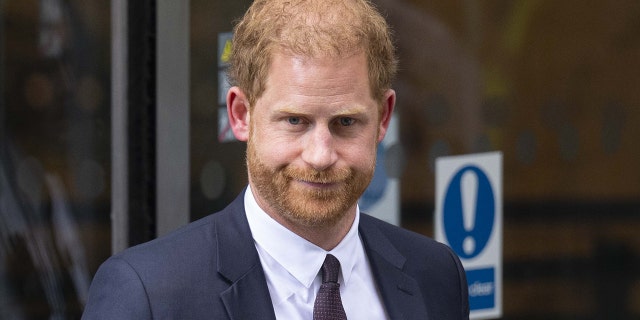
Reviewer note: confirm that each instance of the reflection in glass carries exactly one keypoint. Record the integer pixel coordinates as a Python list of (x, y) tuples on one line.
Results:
[(54, 155)]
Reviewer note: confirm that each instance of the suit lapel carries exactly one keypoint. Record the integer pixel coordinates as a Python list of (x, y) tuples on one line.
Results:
[(400, 292), (248, 295)]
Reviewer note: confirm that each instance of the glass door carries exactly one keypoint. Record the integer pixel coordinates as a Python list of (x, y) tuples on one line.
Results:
[(553, 85), (54, 154)]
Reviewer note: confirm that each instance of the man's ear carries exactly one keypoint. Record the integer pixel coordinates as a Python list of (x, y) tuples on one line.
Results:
[(388, 103), (238, 112)]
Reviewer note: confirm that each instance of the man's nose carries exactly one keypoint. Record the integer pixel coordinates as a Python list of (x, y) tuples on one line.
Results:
[(319, 150)]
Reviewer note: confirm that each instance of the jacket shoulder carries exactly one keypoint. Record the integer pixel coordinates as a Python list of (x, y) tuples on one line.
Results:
[(175, 275), (433, 265)]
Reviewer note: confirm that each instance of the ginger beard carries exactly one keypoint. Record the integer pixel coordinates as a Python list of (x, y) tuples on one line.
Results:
[(306, 205)]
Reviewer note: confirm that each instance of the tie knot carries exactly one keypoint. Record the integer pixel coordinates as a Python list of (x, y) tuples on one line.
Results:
[(330, 269)]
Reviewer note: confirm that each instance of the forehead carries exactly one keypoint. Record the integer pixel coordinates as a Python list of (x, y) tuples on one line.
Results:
[(323, 76)]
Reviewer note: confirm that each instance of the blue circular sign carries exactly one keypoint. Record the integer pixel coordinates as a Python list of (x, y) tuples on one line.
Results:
[(465, 238)]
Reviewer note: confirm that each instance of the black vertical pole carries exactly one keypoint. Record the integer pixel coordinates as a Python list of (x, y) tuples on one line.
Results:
[(141, 120)]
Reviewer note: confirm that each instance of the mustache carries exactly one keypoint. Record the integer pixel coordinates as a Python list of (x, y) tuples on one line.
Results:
[(333, 175)]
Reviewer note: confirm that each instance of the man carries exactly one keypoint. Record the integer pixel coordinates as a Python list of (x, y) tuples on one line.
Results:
[(312, 97)]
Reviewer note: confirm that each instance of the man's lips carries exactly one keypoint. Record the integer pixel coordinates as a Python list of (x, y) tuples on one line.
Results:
[(319, 184)]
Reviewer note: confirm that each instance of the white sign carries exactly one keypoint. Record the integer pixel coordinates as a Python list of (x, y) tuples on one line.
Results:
[(468, 218)]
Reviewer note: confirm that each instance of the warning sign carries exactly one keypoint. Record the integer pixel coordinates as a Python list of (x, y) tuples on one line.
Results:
[(468, 218)]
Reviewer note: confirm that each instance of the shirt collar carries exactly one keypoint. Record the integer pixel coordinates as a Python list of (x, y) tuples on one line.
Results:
[(301, 258)]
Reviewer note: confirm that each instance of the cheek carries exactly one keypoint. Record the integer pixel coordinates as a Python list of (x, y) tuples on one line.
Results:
[(274, 150), (360, 155)]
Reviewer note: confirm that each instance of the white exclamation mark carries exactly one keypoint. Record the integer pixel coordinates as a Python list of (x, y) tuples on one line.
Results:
[(469, 190)]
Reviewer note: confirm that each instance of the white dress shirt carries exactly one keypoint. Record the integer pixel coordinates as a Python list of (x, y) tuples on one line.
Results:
[(291, 265)]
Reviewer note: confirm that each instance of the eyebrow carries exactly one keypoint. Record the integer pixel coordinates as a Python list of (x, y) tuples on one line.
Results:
[(347, 111)]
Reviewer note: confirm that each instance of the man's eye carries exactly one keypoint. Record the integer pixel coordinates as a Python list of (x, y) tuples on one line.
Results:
[(347, 121), (294, 120)]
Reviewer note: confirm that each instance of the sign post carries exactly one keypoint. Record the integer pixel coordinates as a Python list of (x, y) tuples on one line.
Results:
[(468, 218)]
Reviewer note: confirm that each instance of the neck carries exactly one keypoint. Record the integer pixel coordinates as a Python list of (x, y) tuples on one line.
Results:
[(326, 237)]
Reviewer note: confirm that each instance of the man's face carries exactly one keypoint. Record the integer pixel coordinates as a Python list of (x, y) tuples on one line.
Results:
[(313, 138)]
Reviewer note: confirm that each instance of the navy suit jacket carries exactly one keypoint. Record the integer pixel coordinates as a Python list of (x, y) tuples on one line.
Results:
[(210, 269)]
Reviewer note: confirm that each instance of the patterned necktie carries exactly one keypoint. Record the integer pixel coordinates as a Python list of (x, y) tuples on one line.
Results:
[(328, 304)]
